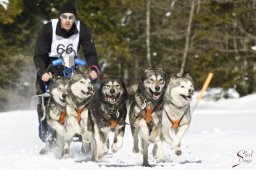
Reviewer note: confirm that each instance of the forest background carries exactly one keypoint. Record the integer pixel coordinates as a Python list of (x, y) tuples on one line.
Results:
[(194, 36)]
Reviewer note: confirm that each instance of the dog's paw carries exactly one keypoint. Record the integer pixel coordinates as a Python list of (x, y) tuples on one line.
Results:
[(178, 152), (160, 160), (86, 147), (86, 140), (66, 154), (151, 140), (86, 137), (115, 147), (135, 150), (98, 157)]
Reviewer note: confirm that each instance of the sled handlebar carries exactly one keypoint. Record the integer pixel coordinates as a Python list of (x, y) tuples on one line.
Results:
[(59, 62)]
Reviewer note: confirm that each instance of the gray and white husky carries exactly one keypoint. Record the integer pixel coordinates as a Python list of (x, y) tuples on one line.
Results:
[(80, 91), (176, 113), (108, 113), (56, 109), (145, 112)]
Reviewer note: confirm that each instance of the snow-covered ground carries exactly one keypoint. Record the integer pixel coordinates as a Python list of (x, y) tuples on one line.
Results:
[(222, 134)]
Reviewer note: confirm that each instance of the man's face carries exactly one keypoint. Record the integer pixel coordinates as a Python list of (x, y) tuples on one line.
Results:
[(67, 20)]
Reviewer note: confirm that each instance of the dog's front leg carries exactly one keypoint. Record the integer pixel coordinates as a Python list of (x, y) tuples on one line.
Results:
[(118, 139), (86, 137), (166, 128), (144, 131), (179, 133), (159, 151), (60, 130), (135, 131), (105, 141), (85, 133), (72, 120), (145, 146), (66, 150), (98, 151), (166, 134), (73, 126), (60, 141)]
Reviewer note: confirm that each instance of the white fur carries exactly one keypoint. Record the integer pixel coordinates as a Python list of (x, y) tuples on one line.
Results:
[(176, 108), (82, 90), (80, 85), (55, 107)]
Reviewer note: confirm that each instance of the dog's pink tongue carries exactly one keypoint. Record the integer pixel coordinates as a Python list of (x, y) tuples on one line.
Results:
[(110, 98), (189, 98), (156, 95)]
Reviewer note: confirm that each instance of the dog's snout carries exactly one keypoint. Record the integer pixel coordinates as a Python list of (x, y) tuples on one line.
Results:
[(157, 88), (90, 88), (112, 91), (191, 91), (64, 95)]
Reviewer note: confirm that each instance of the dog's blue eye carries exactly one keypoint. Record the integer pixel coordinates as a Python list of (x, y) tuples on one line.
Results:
[(182, 86), (151, 79), (82, 82)]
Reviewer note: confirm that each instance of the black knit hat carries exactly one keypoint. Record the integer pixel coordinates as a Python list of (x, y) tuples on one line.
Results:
[(68, 7)]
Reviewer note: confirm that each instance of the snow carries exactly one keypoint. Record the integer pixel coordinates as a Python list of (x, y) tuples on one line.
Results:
[(219, 132)]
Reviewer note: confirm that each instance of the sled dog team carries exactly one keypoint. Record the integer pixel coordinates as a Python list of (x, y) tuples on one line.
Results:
[(157, 106)]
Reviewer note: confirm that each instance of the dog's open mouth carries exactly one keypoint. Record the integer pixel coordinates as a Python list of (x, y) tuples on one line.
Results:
[(156, 95), (86, 93), (189, 97), (62, 100), (113, 98)]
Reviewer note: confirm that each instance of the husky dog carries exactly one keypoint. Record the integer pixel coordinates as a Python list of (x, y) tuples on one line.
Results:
[(176, 113), (108, 113), (56, 109), (145, 111), (80, 91)]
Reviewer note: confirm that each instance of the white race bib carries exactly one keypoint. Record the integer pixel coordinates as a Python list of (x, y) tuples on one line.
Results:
[(60, 44)]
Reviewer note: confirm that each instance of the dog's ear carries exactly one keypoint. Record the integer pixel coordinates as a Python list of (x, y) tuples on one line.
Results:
[(55, 77), (76, 77), (125, 95), (51, 84), (188, 76), (172, 76), (164, 73)]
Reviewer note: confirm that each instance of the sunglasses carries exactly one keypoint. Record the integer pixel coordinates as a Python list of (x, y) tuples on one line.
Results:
[(71, 17)]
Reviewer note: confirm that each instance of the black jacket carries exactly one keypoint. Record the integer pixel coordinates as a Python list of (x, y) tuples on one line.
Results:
[(44, 41)]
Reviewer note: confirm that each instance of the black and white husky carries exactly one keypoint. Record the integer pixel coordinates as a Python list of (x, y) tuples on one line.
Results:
[(107, 114), (145, 112), (56, 109), (80, 91), (176, 114)]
